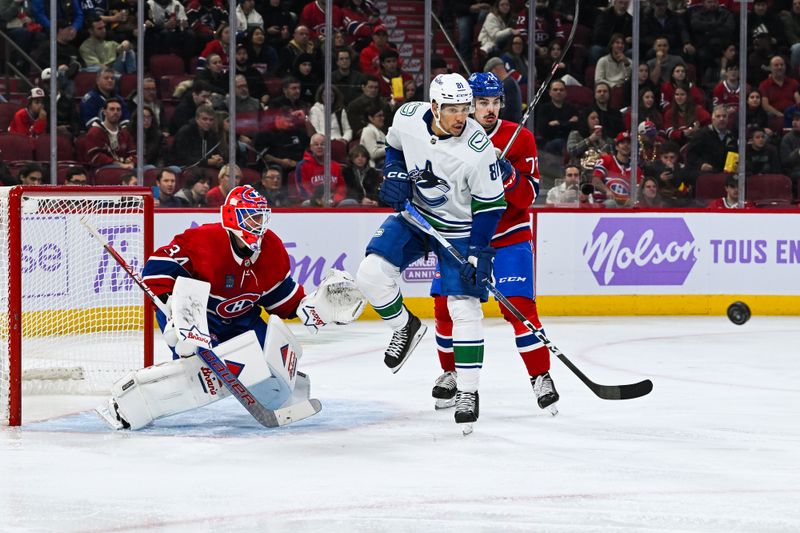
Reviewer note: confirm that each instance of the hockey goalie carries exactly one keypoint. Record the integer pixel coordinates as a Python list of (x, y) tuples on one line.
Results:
[(215, 280)]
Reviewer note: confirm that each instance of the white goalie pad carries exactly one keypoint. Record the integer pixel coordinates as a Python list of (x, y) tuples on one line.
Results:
[(337, 300), (185, 384)]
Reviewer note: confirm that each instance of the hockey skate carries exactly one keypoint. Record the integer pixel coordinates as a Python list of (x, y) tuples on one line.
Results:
[(467, 404), (444, 390), (545, 391), (403, 343)]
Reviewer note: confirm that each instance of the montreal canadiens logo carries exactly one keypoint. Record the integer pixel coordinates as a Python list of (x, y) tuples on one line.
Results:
[(237, 306)]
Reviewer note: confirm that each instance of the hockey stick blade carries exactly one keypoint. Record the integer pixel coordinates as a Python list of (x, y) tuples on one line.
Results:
[(605, 392), (608, 392), (298, 411)]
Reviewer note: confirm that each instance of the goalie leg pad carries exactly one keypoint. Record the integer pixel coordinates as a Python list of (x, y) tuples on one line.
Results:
[(270, 373), (165, 389)]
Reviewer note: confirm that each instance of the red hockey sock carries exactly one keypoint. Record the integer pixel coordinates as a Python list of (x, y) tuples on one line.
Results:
[(444, 334), (534, 354)]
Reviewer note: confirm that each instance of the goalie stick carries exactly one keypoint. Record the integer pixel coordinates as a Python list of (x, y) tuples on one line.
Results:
[(606, 392), (266, 417)]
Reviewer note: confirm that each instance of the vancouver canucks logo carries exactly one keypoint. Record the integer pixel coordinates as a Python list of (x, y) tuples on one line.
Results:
[(431, 188)]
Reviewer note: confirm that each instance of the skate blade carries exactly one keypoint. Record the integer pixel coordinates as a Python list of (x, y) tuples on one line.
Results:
[(418, 337), (552, 409), (466, 429), (108, 418), (445, 403)]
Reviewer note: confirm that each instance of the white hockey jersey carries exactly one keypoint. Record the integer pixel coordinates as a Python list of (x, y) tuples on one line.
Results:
[(455, 177)]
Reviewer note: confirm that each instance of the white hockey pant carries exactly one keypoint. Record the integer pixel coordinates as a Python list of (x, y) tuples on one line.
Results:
[(377, 279)]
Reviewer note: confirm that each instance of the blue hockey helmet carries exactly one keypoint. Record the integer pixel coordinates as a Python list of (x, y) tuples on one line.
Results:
[(485, 84)]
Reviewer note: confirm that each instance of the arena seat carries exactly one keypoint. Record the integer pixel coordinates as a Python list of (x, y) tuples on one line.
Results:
[(166, 64), (768, 187), (16, 147), (710, 186)]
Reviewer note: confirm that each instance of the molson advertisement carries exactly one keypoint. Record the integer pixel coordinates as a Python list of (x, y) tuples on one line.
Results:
[(667, 263)]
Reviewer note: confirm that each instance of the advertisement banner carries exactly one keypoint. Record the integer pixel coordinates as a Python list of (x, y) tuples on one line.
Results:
[(669, 253), (60, 259), (315, 241)]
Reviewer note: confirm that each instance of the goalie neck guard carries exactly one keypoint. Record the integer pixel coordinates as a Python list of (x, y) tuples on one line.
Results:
[(246, 214)]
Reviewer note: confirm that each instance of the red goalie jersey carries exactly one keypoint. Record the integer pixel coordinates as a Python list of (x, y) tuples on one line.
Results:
[(520, 189), (240, 288)]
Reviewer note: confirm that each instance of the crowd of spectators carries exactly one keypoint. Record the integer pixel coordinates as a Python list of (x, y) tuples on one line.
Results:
[(689, 85)]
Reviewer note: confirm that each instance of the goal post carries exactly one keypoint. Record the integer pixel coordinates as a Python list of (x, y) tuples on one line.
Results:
[(71, 320)]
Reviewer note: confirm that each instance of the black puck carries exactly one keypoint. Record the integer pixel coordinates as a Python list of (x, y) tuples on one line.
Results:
[(738, 313)]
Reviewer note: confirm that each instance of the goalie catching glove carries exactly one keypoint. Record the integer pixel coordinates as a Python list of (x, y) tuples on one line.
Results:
[(337, 300)]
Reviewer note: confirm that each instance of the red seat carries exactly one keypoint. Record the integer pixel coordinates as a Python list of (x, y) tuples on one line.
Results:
[(80, 149), (768, 187), (84, 82), (339, 151), (127, 85), (588, 75), (64, 148), (580, 96), (166, 64), (710, 186), (7, 112), (168, 110), (109, 175), (583, 34), (250, 176), (16, 148), (618, 98)]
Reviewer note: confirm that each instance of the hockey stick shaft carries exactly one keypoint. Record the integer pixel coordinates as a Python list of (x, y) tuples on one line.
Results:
[(450, 42), (543, 87), (265, 417), (606, 392)]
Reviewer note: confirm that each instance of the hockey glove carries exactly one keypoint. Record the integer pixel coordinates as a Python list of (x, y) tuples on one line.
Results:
[(396, 189), (506, 169), (478, 268)]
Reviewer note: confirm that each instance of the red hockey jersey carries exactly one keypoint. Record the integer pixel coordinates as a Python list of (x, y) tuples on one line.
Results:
[(314, 17), (239, 287), (521, 189), (615, 175)]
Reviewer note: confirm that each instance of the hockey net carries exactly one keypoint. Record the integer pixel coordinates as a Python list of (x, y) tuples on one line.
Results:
[(71, 320)]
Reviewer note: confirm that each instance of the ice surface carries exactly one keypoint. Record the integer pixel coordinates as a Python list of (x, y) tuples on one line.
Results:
[(714, 448)]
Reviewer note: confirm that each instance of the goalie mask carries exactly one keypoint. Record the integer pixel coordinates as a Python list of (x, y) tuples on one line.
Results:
[(246, 214)]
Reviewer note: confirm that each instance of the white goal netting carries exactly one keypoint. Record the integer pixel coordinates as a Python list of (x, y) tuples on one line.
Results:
[(81, 318)]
